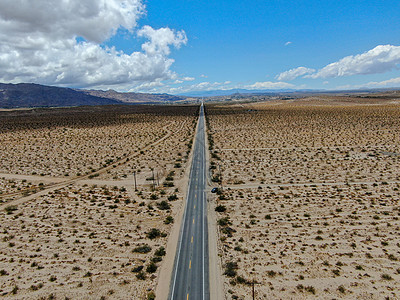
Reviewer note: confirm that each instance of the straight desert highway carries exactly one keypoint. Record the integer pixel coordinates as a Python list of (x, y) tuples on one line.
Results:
[(190, 277)]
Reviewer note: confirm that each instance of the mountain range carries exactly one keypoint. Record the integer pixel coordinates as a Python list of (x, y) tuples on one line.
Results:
[(35, 95)]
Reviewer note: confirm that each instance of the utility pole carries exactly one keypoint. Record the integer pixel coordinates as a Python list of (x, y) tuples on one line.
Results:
[(253, 290), (134, 177), (154, 180), (220, 175)]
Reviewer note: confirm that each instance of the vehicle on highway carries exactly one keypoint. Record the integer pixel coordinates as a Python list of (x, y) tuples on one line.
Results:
[(214, 190)]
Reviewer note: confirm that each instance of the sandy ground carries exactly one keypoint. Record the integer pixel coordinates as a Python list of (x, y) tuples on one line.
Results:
[(76, 236), (311, 196), (217, 291)]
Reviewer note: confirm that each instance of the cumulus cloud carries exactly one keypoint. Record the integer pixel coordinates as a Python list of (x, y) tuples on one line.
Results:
[(202, 86), (270, 85), (161, 39), (294, 73), (62, 43), (381, 59), (393, 82)]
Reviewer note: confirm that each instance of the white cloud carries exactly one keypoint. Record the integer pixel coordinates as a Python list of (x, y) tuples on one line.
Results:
[(288, 43), (161, 39), (39, 44), (381, 59), (294, 73), (203, 76), (148, 86), (202, 86), (393, 82), (188, 78), (95, 20), (270, 85)]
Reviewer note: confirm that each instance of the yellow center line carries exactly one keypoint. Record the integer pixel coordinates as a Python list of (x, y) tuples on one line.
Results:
[(193, 220), (192, 239), (190, 264), (195, 207), (187, 298)]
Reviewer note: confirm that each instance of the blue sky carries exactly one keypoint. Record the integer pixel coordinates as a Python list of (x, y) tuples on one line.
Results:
[(180, 46), (245, 42)]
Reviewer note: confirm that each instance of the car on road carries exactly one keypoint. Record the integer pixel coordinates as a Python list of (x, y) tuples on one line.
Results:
[(214, 190)]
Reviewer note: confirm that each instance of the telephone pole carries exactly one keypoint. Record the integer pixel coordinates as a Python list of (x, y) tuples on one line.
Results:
[(154, 180), (253, 290), (220, 175), (134, 177)]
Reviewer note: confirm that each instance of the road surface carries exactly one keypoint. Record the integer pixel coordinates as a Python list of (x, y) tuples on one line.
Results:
[(190, 276)]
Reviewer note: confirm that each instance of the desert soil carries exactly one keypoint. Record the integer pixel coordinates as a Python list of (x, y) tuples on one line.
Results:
[(72, 225), (310, 202)]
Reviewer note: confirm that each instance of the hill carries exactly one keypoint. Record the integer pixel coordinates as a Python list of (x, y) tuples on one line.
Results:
[(35, 95), (134, 97)]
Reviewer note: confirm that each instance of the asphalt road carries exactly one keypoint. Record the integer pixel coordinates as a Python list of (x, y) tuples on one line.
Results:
[(190, 277)]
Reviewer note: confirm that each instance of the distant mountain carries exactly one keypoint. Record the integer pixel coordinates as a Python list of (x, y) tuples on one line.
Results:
[(217, 93), (244, 92), (35, 95), (134, 97)]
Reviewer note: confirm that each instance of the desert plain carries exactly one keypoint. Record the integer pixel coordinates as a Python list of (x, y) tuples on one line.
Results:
[(308, 206), (89, 197)]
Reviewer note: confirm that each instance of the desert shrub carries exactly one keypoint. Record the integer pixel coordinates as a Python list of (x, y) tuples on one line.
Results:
[(169, 220), (141, 275), (3, 273), (153, 233), (151, 268), (230, 269), (310, 289), (241, 280), (10, 209), (386, 277), (142, 249), (224, 222), (173, 197), (156, 259), (271, 273), (220, 208), (137, 269), (151, 296), (160, 252), (163, 205)]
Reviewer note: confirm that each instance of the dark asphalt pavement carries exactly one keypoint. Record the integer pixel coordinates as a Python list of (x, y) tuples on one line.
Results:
[(190, 277)]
